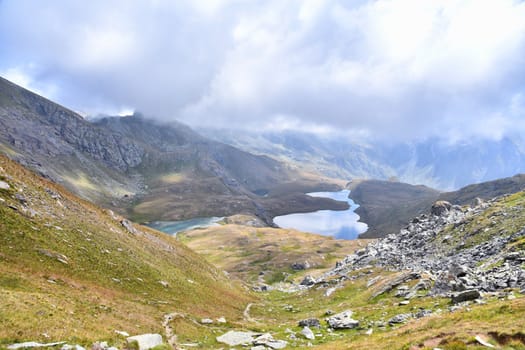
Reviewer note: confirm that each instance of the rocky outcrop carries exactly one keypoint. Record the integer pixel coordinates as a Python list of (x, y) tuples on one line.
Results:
[(424, 247)]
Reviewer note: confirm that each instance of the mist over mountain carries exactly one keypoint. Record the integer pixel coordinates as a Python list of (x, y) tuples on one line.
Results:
[(433, 162), (149, 169)]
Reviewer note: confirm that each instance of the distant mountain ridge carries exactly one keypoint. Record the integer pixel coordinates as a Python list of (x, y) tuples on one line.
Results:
[(433, 162), (152, 170)]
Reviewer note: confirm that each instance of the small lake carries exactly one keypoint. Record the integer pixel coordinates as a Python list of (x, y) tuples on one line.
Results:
[(341, 224), (173, 227)]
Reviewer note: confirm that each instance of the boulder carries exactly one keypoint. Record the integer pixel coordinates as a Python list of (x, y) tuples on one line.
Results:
[(235, 338), (459, 270), (146, 341), (4, 185), (297, 266), (342, 320), (129, 226), (440, 208), (423, 313), (307, 333), (402, 278), (465, 296), (308, 281), (400, 318), (267, 340), (310, 322)]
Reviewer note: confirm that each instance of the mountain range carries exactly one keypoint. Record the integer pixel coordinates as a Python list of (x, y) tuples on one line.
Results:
[(434, 162), (146, 169)]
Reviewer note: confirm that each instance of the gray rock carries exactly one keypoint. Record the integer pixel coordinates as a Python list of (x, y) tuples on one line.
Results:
[(459, 270), (129, 226), (206, 321), (342, 320), (440, 208), (400, 318), (21, 198), (308, 281), (310, 322), (164, 284), (298, 266), (33, 344), (146, 341), (103, 345), (267, 340), (236, 338), (4, 185), (465, 296), (307, 333), (72, 347), (423, 313), (404, 277)]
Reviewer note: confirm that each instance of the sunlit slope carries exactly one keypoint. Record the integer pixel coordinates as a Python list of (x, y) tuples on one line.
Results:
[(70, 270)]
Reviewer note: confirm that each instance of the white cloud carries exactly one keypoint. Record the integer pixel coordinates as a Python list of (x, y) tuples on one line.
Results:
[(388, 67)]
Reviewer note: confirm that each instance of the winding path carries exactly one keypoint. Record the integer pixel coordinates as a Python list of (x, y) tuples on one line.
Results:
[(246, 314)]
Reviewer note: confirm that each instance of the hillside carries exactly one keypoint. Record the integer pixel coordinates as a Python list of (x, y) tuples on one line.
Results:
[(263, 255), (453, 279), (146, 169), (73, 272), (387, 206)]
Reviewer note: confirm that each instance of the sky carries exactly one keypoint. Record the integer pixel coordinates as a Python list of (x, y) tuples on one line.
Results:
[(397, 69)]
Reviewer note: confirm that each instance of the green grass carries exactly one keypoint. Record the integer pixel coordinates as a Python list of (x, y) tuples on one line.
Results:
[(109, 278)]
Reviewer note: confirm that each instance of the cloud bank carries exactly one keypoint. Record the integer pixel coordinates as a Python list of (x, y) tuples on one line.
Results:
[(400, 69)]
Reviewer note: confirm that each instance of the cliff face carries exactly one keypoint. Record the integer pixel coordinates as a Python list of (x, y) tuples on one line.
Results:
[(133, 162)]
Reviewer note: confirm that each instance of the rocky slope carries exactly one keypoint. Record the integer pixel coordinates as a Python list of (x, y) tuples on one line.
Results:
[(154, 171), (479, 248)]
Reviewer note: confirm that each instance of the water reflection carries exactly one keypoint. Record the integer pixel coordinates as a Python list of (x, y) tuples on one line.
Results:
[(339, 224)]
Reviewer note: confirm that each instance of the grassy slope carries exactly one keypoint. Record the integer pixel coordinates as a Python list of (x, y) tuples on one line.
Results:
[(246, 251), (499, 320), (279, 312), (110, 277)]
